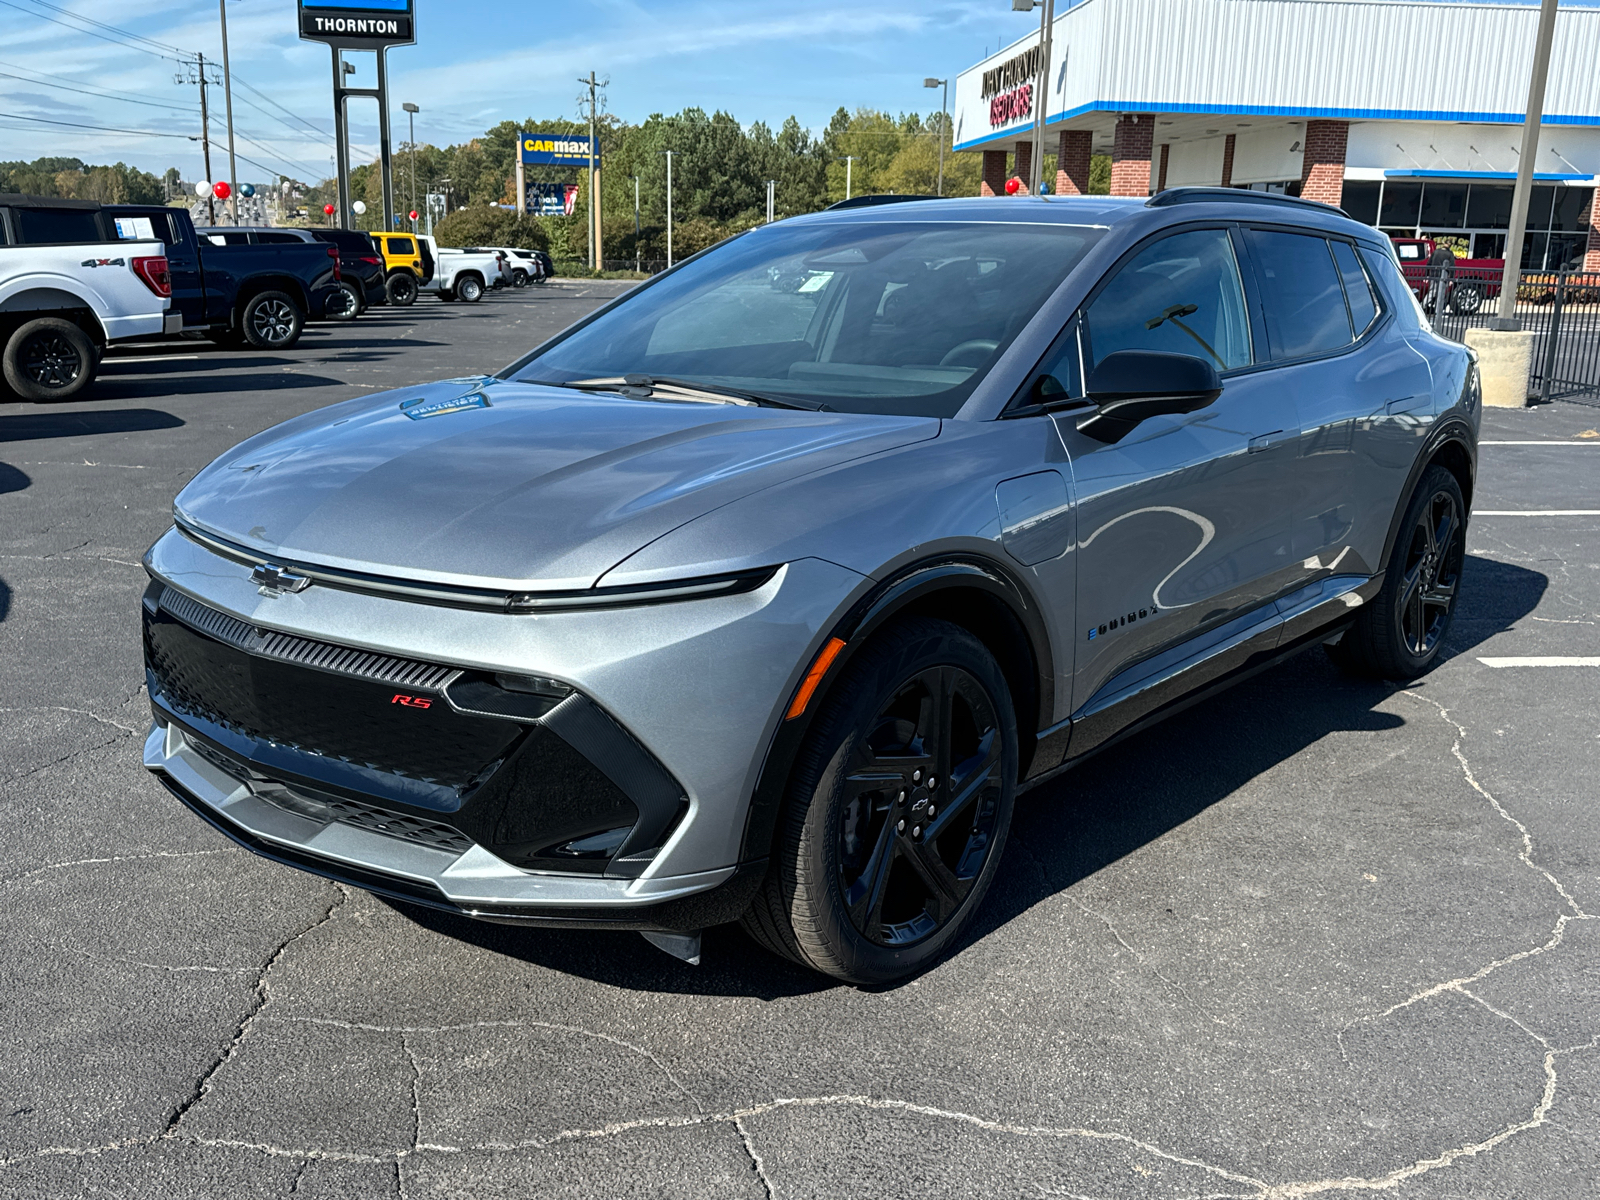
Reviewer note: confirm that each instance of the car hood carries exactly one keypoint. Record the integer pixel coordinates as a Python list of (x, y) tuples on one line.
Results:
[(505, 485)]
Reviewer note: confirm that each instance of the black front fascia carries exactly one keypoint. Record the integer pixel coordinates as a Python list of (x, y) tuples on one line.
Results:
[(570, 792)]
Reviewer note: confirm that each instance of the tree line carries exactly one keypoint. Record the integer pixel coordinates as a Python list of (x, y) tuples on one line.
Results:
[(74, 179)]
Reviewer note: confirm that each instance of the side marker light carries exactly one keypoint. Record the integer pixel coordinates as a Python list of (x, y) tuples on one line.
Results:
[(808, 686)]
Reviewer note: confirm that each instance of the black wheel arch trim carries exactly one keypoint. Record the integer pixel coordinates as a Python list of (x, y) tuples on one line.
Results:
[(1451, 432), (896, 594)]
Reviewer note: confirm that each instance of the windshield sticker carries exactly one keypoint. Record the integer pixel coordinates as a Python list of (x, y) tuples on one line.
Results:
[(818, 281), (422, 407)]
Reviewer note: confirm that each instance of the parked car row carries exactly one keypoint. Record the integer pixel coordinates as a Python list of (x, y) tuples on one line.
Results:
[(77, 276)]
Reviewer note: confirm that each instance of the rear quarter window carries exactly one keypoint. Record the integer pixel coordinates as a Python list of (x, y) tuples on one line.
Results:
[(55, 226)]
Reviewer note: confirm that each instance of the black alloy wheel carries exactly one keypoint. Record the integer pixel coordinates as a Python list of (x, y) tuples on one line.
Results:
[(920, 801), (402, 289), (1466, 299), (519, 278), (1401, 632), (49, 359), (898, 808), (1432, 576), (272, 321)]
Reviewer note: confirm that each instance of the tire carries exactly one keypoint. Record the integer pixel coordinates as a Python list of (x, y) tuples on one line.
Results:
[(402, 289), (856, 888), (519, 278), (345, 306), (272, 321), (1466, 299), (1401, 633), (469, 289), (49, 358)]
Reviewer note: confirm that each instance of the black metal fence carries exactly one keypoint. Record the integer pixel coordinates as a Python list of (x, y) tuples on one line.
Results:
[(1561, 308)]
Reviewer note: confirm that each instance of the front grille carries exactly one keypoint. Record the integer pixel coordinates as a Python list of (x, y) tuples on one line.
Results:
[(355, 718), (325, 656)]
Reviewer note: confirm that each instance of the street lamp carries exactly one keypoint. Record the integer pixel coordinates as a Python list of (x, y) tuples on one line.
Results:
[(849, 161), (669, 153), (944, 106), (636, 250), (1047, 20), (411, 111)]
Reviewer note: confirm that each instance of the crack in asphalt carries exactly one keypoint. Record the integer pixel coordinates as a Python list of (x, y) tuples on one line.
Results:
[(203, 1084), (113, 858), (82, 712)]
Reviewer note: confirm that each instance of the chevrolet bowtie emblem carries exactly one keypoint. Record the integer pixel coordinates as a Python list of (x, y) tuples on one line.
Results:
[(273, 580)]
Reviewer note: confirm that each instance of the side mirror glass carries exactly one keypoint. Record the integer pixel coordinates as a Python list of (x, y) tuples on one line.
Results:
[(1130, 386)]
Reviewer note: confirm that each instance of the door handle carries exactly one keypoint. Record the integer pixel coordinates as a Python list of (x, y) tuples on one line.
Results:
[(1262, 441)]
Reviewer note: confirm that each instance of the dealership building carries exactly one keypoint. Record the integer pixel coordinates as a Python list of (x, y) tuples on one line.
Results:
[(1407, 115)]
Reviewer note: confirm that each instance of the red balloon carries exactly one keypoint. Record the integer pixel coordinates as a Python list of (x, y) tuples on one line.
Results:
[(1012, 186), (413, 214), (221, 190), (328, 209)]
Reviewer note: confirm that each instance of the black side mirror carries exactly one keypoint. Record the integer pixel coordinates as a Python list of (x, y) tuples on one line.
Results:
[(1130, 386)]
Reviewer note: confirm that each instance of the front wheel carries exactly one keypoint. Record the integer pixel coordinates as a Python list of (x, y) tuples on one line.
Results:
[(898, 809), (272, 321), (1401, 633), (49, 359), (468, 289)]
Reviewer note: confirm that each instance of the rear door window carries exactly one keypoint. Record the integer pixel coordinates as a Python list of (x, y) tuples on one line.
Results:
[(1357, 289), (1301, 295), (1181, 295), (57, 226), (401, 246)]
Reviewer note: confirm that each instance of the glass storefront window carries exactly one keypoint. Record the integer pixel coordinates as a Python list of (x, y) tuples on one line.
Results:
[(1402, 203), (1360, 200), (1572, 206), (1489, 207), (1444, 205)]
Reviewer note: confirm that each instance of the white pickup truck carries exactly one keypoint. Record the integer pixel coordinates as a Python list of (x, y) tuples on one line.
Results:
[(464, 274), (68, 288)]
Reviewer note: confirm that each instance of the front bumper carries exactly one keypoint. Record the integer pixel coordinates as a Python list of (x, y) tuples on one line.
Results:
[(697, 687)]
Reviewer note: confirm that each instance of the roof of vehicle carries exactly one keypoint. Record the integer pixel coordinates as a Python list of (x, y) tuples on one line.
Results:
[(23, 200)]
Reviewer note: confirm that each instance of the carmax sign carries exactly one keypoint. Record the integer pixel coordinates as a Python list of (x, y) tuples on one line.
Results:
[(558, 149)]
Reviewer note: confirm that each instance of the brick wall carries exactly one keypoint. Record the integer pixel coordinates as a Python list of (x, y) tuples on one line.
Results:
[(1130, 155), (1591, 251), (994, 173), (1072, 162), (1322, 171)]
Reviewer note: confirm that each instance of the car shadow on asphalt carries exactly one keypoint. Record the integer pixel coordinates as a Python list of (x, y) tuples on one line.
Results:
[(27, 427), (152, 387), (1069, 829)]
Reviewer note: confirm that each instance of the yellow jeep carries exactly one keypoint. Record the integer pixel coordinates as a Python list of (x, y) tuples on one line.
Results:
[(407, 265)]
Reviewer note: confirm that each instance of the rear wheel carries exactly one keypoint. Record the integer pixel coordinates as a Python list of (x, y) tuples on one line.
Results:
[(344, 305), (272, 321), (49, 359), (1466, 298), (897, 811), (1401, 633), (469, 289), (519, 278), (402, 289)]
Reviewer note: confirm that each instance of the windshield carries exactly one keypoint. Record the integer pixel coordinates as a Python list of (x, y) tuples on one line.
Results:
[(877, 317)]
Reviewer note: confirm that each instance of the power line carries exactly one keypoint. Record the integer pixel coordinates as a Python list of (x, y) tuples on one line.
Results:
[(79, 29), (87, 92), (99, 128), (321, 132), (111, 93), (67, 12)]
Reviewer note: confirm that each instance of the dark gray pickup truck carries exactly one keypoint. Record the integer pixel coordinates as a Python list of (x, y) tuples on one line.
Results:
[(257, 295)]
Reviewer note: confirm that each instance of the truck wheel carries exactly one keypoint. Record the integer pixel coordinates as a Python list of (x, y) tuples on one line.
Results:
[(1400, 634), (469, 289), (345, 305), (402, 289), (272, 321), (897, 810), (49, 359), (1466, 299)]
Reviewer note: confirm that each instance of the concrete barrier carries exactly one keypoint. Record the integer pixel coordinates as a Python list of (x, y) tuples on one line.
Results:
[(1505, 364)]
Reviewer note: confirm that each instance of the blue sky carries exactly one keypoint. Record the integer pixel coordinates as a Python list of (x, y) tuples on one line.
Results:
[(477, 62)]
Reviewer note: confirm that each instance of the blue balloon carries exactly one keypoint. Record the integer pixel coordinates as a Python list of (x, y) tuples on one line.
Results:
[(247, 189)]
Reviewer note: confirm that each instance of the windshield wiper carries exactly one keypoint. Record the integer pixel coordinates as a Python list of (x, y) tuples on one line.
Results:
[(644, 387)]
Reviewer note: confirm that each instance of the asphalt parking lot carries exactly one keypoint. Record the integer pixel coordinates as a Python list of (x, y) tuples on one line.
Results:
[(1314, 936)]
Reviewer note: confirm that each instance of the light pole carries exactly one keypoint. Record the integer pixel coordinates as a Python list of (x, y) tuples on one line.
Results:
[(849, 162), (1047, 14), (227, 93), (636, 250), (411, 111), (1507, 318), (772, 185), (668, 153), (944, 106)]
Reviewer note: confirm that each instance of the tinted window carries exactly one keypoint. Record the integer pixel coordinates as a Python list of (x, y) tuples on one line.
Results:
[(1300, 293), (1181, 295), (276, 239), (1386, 277), (1363, 309), (401, 246), (874, 315), (42, 226)]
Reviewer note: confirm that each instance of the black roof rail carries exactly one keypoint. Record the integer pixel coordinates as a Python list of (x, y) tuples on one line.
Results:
[(872, 201), (1222, 195)]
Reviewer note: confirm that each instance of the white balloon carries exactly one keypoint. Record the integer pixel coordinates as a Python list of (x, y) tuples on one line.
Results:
[(359, 207), (202, 189)]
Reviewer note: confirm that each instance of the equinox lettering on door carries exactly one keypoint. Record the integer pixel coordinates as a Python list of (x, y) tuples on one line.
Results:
[(1117, 623)]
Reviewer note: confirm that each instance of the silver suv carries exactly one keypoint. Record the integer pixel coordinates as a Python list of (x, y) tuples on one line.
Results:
[(736, 602)]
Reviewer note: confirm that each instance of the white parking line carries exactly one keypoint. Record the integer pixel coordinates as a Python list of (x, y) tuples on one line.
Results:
[(1543, 442), (1541, 662), (1536, 512), (141, 358)]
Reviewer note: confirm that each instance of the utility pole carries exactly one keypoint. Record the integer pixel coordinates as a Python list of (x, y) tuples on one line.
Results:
[(1507, 318), (668, 153), (771, 197), (594, 178), (849, 162), (205, 138), (944, 107), (636, 231), (1047, 16), (227, 92)]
